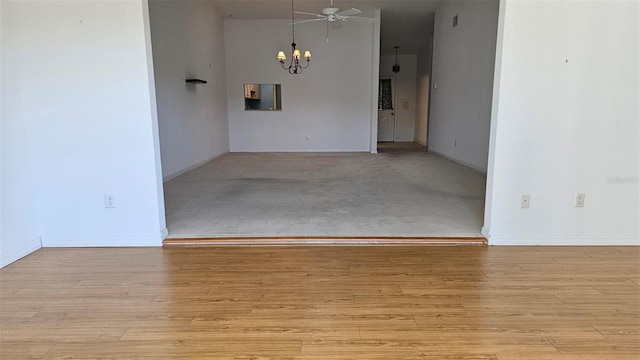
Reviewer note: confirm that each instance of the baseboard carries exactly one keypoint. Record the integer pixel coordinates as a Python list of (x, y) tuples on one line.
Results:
[(18, 253), (470, 166), (423, 143), (567, 240), (189, 168), (132, 241), (284, 151), (485, 232), (164, 233)]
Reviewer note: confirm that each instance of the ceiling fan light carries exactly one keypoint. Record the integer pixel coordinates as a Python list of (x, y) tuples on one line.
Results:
[(330, 10)]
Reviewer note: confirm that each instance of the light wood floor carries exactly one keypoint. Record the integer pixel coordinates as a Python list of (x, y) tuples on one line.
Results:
[(257, 302)]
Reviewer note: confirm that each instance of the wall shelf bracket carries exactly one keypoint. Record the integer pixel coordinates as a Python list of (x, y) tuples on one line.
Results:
[(196, 81)]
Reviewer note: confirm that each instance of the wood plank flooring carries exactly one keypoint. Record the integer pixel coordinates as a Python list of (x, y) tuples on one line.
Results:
[(323, 302)]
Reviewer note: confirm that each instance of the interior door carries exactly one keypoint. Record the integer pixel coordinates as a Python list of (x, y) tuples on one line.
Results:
[(386, 109)]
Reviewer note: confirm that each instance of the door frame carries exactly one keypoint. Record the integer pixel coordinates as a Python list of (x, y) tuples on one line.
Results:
[(375, 75)]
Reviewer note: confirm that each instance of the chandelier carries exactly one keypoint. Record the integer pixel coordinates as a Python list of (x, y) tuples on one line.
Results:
[(294, 64)]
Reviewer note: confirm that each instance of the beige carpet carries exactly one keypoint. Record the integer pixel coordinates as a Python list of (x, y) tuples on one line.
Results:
[(396, 193)]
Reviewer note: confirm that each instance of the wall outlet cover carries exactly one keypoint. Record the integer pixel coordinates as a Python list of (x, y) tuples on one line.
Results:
[(109, 201)]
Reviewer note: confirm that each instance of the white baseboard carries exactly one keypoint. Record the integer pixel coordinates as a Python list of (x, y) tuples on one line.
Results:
[(284, 151), (189, 168), (470, 166), (132, 241), (164, 233), (12, 255), (485, 233), (566, 240)]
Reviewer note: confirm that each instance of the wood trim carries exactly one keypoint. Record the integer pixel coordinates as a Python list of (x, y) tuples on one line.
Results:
[(326, 240)]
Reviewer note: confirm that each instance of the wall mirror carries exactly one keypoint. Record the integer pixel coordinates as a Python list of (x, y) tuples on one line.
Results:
[(262, 97)]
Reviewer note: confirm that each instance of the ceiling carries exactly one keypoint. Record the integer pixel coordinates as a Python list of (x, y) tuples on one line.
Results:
[(405, 23)]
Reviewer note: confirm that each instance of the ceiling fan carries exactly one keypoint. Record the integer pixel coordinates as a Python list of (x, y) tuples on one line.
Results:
[(333, 16)]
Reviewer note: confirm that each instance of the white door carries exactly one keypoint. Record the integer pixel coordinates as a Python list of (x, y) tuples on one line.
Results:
[(386, 109)]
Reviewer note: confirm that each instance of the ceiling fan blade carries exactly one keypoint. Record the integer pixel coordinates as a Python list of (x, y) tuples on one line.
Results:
[(305, 21), (335, 25), (311, 14), (349, 12), (361, 18)]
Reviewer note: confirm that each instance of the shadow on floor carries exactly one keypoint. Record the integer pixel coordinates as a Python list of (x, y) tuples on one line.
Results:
[(400, 147)]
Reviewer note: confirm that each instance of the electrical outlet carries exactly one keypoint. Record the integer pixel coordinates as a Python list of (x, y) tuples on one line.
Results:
[(526, 200), (109, 201), (580, 200)]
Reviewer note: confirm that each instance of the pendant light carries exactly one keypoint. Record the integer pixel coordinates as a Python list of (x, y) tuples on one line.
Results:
[(396, 67)]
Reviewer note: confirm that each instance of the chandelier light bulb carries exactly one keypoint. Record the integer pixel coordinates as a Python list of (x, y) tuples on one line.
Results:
[(295, 65)]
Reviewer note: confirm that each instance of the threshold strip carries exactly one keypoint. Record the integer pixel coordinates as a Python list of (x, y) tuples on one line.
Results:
[(326, 240)]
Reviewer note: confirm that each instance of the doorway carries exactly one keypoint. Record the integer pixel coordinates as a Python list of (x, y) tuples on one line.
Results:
[(404, 191), (386, 109)]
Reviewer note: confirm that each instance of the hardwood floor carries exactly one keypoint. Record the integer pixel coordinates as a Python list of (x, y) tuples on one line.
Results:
[(323, 302)]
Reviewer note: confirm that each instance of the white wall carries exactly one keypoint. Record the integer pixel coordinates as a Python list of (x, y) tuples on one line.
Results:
[(565, 121), (423, 87), (19, 233), (463, 63), (330, 103), (405, 92), (81, 118), (188, 42)]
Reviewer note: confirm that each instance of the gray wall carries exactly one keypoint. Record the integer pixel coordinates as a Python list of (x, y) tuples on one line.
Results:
[(463, 64), (266, 97)]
